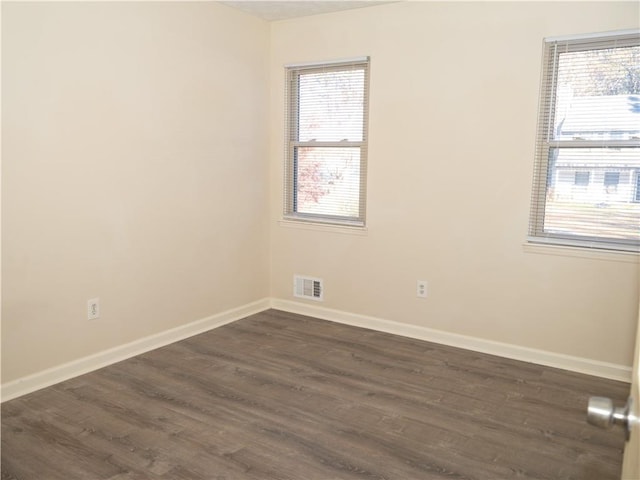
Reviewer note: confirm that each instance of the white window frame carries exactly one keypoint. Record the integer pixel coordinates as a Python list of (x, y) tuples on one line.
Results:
[(545, 142), (292, 142)]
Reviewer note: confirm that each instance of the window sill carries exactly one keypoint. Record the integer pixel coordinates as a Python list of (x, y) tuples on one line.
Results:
[(581, 252), (324, 227)]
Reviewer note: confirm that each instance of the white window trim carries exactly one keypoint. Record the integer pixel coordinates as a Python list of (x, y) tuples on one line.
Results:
[(324, 227), (536, 238), (290, 217), (581, 252)]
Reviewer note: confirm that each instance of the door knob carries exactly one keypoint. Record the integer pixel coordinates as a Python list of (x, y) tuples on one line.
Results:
[(603, 414)]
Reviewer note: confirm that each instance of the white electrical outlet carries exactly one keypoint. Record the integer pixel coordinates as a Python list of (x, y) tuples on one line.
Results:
[(93, 309), (421, 289)]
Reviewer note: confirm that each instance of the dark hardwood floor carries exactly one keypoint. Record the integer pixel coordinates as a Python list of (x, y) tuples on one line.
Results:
[(282, 396)]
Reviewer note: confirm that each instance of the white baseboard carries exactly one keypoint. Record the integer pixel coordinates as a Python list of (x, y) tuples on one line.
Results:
[(515, 352), (59, 373), (84, 365)]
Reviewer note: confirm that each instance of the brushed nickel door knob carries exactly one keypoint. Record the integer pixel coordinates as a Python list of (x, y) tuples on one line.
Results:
[(602, 413)]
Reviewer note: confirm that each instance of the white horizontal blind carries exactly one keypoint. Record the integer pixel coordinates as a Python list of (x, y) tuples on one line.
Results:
[(586, 188), (326, 142)]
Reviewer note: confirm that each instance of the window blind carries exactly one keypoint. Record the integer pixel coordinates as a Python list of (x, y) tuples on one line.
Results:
[(586, 189), (326, 142)]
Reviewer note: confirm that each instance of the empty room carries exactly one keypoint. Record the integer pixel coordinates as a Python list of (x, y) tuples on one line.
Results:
[(320, 240)]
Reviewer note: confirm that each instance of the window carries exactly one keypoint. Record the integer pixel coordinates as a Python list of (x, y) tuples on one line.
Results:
[(326, 142), (611, 181), (582, 179), (589, 121)]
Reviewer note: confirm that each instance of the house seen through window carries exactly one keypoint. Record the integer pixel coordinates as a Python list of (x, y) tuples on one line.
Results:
[(587, 173)]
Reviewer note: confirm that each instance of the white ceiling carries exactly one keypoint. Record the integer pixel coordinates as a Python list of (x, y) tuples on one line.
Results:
[(281, 10)]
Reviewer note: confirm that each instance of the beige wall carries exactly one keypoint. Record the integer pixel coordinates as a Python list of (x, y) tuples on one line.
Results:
[(133, 145), (136, 147), (454, 91)]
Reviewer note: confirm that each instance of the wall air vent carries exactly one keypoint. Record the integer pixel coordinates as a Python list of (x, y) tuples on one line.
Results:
[(308, 287)]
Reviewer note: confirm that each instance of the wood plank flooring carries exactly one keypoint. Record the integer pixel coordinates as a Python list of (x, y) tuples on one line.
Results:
[(282, 396)]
